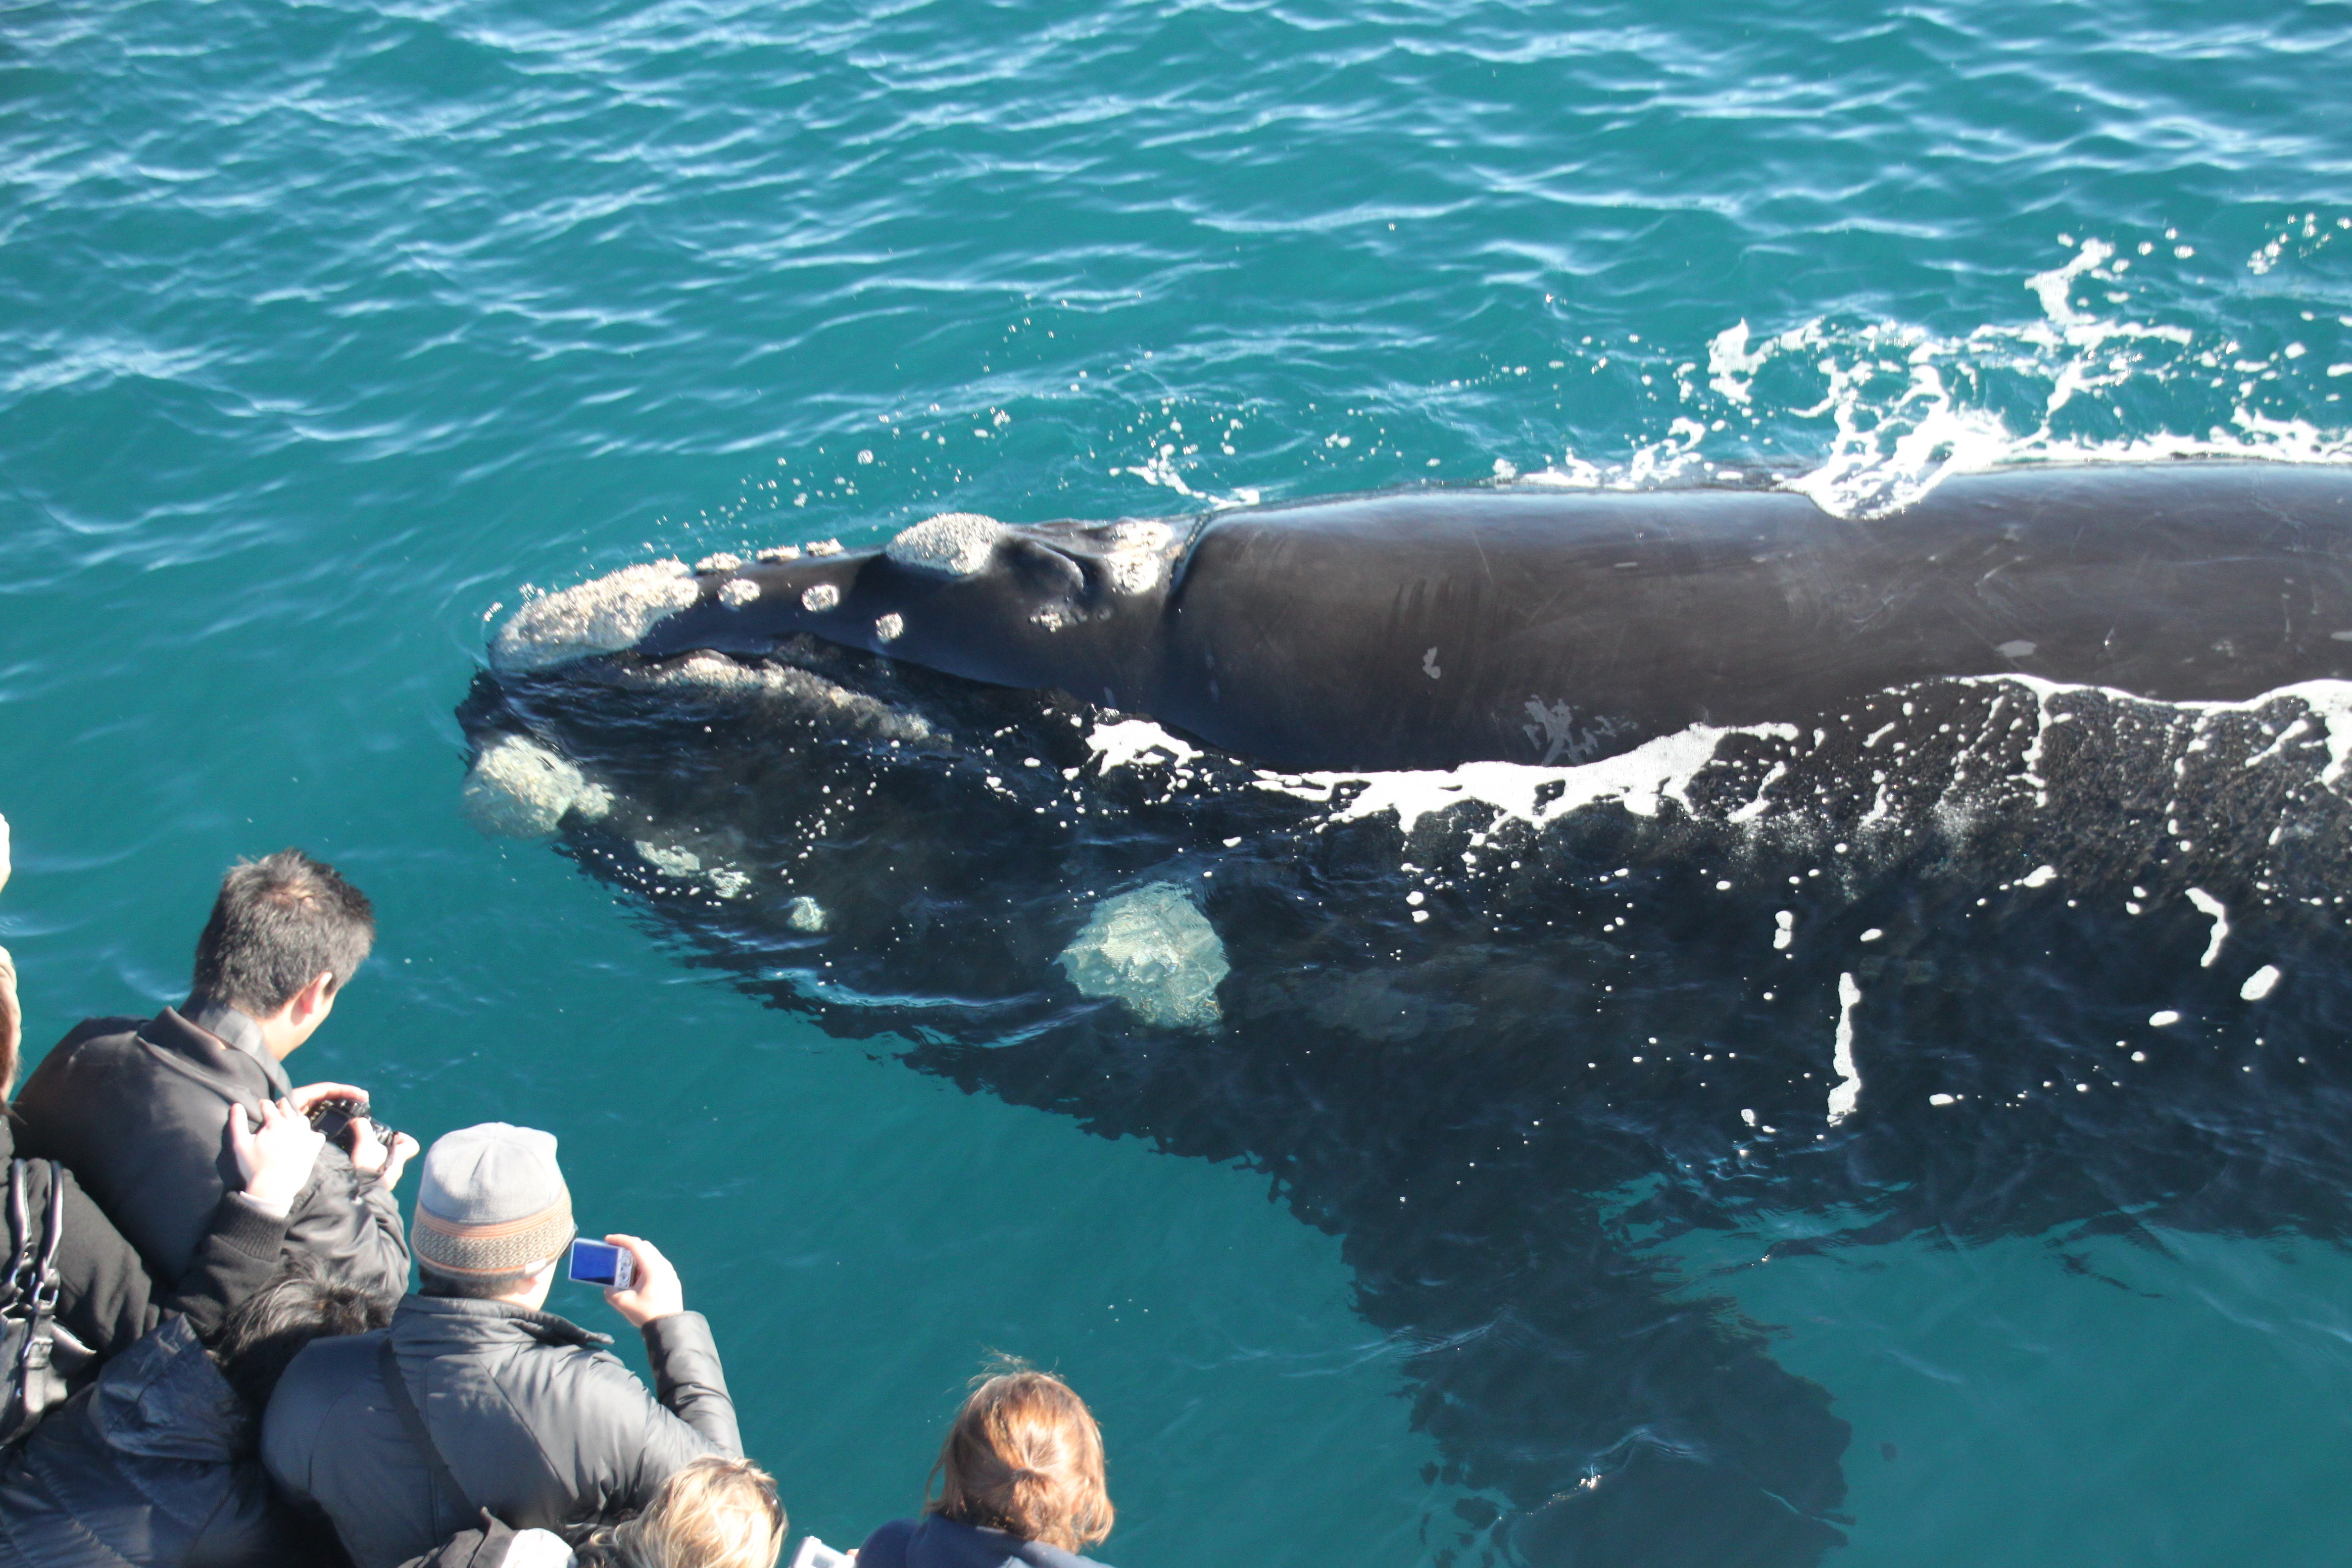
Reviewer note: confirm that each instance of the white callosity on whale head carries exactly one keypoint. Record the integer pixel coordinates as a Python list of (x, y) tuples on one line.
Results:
[(805, 915), (954, 543), (1153, 950), (737, 591), (518, 789), (605, 615), (1137, 553)]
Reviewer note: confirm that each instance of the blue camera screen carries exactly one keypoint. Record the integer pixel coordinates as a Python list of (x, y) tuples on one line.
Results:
[(594, 1262)]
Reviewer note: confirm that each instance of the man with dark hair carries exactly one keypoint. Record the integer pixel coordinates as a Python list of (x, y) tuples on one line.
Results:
[(136, 1109), (157, 1462), (477, 1399)]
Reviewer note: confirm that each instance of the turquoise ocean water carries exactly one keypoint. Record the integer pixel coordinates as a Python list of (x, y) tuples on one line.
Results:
[(325, 331)]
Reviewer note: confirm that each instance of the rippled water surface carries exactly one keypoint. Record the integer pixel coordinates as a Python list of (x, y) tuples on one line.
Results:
[(326, 332)]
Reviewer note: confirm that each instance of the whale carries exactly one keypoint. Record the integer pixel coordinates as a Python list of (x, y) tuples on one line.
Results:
[(1532, 884), (1430, 628)]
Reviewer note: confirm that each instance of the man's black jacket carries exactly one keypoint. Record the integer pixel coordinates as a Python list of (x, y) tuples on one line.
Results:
[(139, 1113)]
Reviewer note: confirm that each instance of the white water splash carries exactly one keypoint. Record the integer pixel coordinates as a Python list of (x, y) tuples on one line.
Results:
[(1640, 781), (1900, 407), (1847, 1092), (2218, 912)]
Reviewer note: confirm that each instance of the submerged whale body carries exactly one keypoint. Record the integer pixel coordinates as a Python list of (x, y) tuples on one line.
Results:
[(1526, 880)]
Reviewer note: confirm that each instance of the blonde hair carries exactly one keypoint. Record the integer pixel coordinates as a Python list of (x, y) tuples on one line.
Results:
[(1024, 1456), (715, 1513)]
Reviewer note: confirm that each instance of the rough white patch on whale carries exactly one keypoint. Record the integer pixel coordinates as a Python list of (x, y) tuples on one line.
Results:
[(1786, 922), (2163, 1020), (1153, 950), (605, 616), (729, 883), (805, 915), (1640, 779), (2020, 648), (518, 789), (819, 598), (2260, 983), (1131, 740), (1137, 552), (2039, 876), (1847, 1093), (669, 859), (953, 543), (778, 552), (887, 627), (2219, 912), (722, 561), (737, 591)]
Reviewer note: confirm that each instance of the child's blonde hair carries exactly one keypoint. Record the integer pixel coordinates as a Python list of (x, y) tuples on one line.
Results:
[(715, 1513), (1025, 1457)]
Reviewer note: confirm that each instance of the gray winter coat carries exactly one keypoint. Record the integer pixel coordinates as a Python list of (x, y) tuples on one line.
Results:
[(535, 1421), (154, 1464)]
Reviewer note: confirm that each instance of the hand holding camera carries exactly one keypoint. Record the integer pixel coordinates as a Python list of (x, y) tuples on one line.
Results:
[(275, 1156), (340, 1112), (639, 1282)]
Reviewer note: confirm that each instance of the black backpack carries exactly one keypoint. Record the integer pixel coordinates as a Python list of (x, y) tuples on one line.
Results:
[(40, 1354)]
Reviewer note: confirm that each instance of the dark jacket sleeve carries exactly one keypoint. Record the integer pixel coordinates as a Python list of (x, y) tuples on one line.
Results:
[(351, 1224), (616, 1428), (689, 1382), (106, 1298), (239, 1256)]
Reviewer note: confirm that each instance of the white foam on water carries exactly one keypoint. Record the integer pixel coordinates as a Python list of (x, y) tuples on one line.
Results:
[(1900, 408), (1115, 745), (2219, 912), (1641, 780), (1847, 1092)]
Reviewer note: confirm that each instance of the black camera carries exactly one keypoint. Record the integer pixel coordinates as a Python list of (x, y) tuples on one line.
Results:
[(334, 1118)]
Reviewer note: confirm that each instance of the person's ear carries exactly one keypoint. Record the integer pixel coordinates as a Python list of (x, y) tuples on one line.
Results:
[(317, 999)]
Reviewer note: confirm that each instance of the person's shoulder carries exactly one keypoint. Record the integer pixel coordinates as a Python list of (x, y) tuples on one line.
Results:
[(89, 1043), (886, 1547), (323, 1376)]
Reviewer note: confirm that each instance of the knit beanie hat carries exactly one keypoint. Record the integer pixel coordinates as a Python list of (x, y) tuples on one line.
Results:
[(491, 1201)]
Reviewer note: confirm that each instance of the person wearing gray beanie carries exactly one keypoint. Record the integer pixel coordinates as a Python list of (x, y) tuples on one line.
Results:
[(475, 1398)]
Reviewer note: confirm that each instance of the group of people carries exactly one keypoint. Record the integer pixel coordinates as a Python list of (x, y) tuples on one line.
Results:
[(214, 1356)]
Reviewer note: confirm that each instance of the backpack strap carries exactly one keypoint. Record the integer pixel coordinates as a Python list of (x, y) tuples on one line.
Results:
[(387, 1361)]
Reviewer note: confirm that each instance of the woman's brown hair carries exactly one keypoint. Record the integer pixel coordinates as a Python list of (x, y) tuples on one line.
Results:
[(1025, 1457)]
